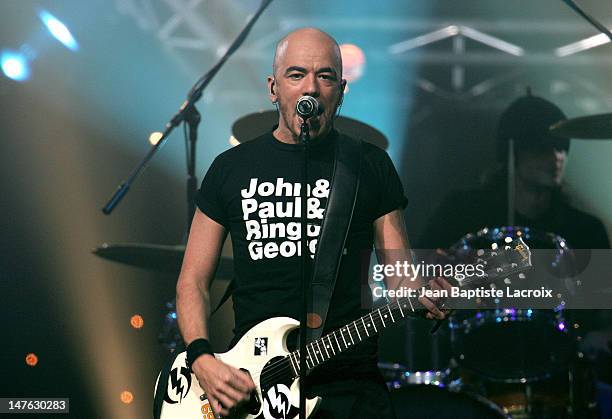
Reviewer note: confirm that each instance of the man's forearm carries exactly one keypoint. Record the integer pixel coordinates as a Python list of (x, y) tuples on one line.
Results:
[(193, 311)]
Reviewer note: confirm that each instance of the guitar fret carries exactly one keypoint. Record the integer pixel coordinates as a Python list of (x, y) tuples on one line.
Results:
[(400, 307), (314, 351), (293, 365), (331, 345), (320, 351), (373, 324), (381, 318), (324, 347), (364, 326), (350, 336), (357, 329), (390, 313), (309, 354), (297, 358), (345, 344), (338, 343), (410, 302)]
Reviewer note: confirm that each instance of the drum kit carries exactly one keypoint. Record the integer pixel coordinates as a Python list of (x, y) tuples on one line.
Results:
[(506, 362)]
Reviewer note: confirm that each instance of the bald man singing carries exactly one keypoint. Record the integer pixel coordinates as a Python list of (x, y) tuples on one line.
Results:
[(250, 192)]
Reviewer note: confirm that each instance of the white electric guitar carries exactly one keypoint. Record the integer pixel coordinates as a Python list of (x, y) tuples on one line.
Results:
[(263, 353)]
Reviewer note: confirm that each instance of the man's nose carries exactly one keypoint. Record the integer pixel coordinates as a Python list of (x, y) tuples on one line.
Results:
[(311, 86), (559, 154)]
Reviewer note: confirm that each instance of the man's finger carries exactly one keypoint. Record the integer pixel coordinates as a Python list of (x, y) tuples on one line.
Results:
[(242, 381), (429, 305), (232, 394), (216, 406), (223, 402), (442, 282)]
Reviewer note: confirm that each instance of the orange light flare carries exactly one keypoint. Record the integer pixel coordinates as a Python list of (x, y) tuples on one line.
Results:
[(353, 62), (137, 321), (31, 359), (126, 397)]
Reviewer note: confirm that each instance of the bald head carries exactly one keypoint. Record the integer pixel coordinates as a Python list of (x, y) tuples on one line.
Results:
[(307, 62), (307, 36)]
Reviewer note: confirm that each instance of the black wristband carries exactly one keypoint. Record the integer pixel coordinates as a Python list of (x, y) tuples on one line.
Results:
[(197, 348)]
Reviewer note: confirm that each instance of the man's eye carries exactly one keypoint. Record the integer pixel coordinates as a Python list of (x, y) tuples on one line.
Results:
[(328, 77), (295, 76)]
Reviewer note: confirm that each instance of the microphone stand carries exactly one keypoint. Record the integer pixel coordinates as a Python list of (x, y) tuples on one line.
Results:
[(305, 140), (511, 184), (192, 118), (600, 27), (189, 114)]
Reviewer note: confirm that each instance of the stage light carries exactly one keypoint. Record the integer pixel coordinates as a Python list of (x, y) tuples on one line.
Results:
[(58, 30), (233, 141), (137, 321), (155, 137), (31, 359), (15, 66), (126, 397)]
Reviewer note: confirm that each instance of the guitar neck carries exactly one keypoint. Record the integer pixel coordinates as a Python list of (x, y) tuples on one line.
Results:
[(513, 258), (338, 341)]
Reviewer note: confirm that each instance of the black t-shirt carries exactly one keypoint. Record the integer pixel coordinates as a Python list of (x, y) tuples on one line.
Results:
[(253, 190)]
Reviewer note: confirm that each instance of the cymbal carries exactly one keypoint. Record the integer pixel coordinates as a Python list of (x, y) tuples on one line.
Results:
[(156, 257), (253, 125), (594, 127)]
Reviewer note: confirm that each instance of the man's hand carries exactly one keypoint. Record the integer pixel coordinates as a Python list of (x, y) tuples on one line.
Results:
[(225, 386), (435, 306)]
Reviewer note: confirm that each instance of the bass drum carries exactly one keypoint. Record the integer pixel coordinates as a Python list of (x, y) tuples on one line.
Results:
[(426, 394), (514, 345), (421, 401), (569, 394)]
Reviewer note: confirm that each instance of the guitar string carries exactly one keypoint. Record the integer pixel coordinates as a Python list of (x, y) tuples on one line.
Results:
[(274, 370)]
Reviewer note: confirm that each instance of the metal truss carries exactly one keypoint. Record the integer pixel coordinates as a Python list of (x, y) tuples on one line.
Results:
[(168, 18), (178, 24)]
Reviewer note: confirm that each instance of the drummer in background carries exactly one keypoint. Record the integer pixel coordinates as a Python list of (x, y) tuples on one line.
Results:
[(540, 202), (539, 199)]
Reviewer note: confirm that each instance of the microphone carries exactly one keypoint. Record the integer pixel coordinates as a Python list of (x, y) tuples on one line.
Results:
[(307, 107)]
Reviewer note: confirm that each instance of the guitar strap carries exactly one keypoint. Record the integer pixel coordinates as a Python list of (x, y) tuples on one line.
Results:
[(334, 231)]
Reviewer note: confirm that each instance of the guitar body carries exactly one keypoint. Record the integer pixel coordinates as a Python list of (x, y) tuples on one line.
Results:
[(261, 348)]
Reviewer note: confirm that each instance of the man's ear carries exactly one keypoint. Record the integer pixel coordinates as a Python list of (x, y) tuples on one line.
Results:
[(272, 89), (342, 89)]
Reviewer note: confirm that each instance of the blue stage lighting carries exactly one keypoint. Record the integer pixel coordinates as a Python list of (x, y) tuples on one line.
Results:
[(59, 30), (15, 66)]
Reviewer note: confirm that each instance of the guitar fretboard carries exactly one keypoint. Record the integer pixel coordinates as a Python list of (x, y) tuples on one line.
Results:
[(510, 259), (340, 340)]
